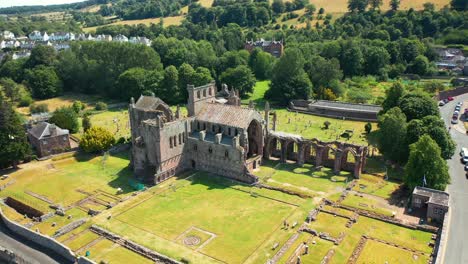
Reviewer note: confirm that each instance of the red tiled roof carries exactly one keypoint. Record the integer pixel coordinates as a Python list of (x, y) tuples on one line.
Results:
[(230, 115)]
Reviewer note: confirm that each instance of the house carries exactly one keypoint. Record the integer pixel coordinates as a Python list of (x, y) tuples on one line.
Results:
[(61, 46), (275, 48), (37, 35), (28, 44), (21, 54), (435, 202), (7, 35), (140, 40), (120, 38), (84, 37), (49, 139), (9, 44), (62, 36), (103, 37), (450, 58)]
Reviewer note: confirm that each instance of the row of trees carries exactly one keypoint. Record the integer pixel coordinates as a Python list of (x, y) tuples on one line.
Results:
[(412, 133)]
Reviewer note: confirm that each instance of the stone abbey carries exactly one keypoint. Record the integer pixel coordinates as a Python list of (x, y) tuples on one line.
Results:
[(221, 137)]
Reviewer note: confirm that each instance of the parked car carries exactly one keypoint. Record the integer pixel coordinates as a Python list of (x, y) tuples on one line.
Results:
[(457, 108), (441, 103), (446, 100), (454, 121), (464, 159), (450, 98), (463, 151), (466, 111), (456, 113), (466, 167), (459, 104)]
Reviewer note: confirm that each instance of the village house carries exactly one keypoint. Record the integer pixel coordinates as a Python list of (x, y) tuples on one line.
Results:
[(140, 40), (275, 48), (48, 139), (84, 37), (28, 44), (9, 44), (37, 35), (20, 55), (436, 203), (120, 38), (104, 37), (7, 35), (62, 36), (61, 46)]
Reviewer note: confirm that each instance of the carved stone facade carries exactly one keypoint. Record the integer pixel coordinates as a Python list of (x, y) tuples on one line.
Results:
[(221, 137)]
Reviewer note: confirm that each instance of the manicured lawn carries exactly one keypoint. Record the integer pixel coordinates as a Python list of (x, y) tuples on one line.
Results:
[(258, 94), (310, 126), (81, 240), (376, 185), (115, 121), (240, 221), (317, 251), (60, 180), (366, 204), (60, 221), (119, 254), (333, 225), (388, 254), (306, 178)]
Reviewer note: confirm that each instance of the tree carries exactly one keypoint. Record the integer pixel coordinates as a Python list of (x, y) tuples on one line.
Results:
[(132, 83), (417, 106), (78, 106), (170, 91), (44, 82), (322, 73), (459, 5), (38, 108), (13, 141), (425, 165), (357, 5), (278, 6), (100, 106), (368, 127), (240, 78), (391, 136), (310, 8), (42, 55), (96, 139), (394, 4), (376, 59), (289, 80), (393, 96), (67, 118), (351, 58), (261, 64), (86, 122), (375, 4), (420, 65)]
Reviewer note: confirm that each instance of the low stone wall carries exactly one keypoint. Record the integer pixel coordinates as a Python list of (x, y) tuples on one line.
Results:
[(84, 260), (23, 208), (451, 93), (260, 185), (148, 253), (38, 238), (65, 229), (439, 250)]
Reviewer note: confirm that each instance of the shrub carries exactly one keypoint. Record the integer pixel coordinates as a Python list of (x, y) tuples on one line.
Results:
[(66, 117), (38, 108), (78, 106), (96, 139), (100, 106), (25, 100)]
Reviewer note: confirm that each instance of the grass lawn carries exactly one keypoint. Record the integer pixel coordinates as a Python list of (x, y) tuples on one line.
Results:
[(67, 100), (376, 185), (365, 203), (333, 225), (81, 240), (60, 221), (60, 180), (107, 252), (388, 254), (115, 121), (317, 251), (304, 178), (258, 94), (240, 221), (310, 126)]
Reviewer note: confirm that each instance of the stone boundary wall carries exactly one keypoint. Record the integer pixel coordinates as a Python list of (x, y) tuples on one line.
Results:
[(66, 229), (84, 260), (23, 208), (38, 238), (260, 185), (328, 257), (439, 249), (307, 111), (148, 253), (454, 92)]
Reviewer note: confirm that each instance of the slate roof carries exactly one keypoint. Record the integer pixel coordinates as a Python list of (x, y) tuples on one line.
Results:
[(43, 130), (230, 115), (346, 106), (435, 196), (148, 103)]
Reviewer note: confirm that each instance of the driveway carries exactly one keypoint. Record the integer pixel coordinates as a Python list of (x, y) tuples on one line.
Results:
[(28, 251), (457, 241)]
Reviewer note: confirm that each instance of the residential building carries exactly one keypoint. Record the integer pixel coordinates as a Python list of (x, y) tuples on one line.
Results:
[(48, 139), (273, 47)]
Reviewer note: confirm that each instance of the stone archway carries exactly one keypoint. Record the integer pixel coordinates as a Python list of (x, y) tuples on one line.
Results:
[(255, 137), (348, 159)]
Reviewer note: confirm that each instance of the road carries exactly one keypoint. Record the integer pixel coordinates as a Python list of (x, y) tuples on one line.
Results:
[(457, 241), (28, 251)]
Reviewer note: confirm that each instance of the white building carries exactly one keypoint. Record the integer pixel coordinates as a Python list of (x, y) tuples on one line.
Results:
[(61, 46), (19, 55), (120, 38), (7, 35), (28, 44), (104, 37), (62, 36), (140, 40), (9, 44), (37, 35)]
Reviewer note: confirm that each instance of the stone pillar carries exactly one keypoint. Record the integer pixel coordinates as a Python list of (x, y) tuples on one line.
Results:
[(177, 115), (301, 154), (337, 164), (364, 159), (284, 150), (319, 156), (274, 121), (267, 116), (266, 149), (358, 166), (201, 135)]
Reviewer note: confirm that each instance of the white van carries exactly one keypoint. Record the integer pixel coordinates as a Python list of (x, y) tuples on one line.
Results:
[(464, 152)]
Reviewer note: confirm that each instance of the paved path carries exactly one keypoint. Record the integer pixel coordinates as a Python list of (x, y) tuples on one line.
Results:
[(457, 241), (28, 251)]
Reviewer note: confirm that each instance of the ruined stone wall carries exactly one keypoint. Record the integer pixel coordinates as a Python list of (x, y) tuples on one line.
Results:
[(38, 238), (23, 208)]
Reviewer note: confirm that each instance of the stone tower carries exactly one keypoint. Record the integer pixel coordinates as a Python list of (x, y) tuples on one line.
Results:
[(198, 96)]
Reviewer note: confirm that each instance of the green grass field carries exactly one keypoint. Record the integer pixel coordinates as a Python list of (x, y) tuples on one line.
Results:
[(258, 94), (333, 225), (388, 254), (367, 204), (239, 221)]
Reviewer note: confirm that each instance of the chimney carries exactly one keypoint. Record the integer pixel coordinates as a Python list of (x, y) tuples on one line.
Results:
[(201, 135), (218, 138), (235, 142)]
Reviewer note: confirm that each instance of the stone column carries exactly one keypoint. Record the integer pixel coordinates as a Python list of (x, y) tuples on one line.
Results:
[(284, 150), (319, 156), (301, 154), (274, 121), (337, 164), (358, 166)]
